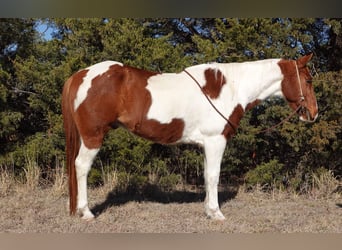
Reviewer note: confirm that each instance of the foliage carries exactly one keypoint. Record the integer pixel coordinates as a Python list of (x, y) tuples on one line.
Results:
[(266, 174), (33, 71)]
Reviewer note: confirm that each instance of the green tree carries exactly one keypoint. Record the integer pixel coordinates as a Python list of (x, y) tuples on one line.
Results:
[(33, 71), (17, 37)]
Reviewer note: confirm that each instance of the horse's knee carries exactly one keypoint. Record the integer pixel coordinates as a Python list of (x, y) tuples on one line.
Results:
[(212, 178)]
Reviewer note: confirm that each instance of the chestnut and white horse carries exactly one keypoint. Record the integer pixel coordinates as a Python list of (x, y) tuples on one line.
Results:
[(202, 104)]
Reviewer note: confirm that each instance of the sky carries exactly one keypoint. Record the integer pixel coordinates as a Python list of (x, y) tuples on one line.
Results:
[(44, 30)]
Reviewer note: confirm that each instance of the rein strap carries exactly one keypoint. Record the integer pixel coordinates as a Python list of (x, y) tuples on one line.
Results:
[(279, 123)]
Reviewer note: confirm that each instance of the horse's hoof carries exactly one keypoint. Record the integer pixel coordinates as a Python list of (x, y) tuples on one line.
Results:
[(88, 217), (86, 214), (216, 215)]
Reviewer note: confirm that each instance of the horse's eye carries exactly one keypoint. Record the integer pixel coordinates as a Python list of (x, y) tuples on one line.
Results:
[(309, 81)]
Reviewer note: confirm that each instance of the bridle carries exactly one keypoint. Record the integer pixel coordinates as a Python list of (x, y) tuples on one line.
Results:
[(300, 109)]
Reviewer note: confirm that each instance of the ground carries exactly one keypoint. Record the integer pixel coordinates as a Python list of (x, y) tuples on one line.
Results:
[(44, 210)]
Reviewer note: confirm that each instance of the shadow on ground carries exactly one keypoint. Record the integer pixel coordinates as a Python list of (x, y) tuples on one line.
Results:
[(155, 194)]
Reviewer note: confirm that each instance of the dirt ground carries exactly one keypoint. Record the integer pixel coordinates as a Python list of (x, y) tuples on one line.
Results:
[(42, 210)]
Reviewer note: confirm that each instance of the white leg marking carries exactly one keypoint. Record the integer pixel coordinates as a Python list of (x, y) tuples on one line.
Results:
[(94, 70), (83, 164), (213, 148)]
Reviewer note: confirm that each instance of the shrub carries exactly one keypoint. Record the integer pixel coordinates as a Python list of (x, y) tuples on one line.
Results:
[(167, 183), (95, 177), (266, 174), (137, 183)]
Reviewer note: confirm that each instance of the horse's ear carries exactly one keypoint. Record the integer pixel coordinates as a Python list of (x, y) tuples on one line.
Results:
[(304, 60)]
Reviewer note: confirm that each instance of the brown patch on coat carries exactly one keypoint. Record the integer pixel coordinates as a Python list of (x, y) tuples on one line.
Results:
[(164, 133), (119, 97), (235, 117), (252, 104), (214, 83), (289, 85)]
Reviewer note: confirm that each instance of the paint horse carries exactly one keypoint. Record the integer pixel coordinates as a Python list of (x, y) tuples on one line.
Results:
[(171, 108)]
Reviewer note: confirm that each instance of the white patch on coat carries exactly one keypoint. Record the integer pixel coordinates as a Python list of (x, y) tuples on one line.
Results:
[(93, 71)]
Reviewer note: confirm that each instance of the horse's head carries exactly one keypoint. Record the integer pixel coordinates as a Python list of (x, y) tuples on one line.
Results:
[(297, 88)]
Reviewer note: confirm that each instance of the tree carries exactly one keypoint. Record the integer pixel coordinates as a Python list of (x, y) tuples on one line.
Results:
[(16, 41), (33, 71)]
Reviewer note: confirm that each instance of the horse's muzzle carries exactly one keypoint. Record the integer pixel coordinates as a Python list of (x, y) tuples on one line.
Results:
[(306, 116)]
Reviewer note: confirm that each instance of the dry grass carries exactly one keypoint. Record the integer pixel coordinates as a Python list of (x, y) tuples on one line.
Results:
[(324, 184), (31, 174), (6, 181), (28, 207), (60, 183), (110, 178), (39, 211), (31, 208)]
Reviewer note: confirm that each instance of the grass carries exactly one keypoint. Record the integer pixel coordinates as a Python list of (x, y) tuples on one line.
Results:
[(31, 174), (29, 204), (6, 181), (324, 184)]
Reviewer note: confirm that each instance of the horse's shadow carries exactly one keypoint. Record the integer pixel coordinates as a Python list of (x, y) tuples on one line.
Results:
[(155, 194)]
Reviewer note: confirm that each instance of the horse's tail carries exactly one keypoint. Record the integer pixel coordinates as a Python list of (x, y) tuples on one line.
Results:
[(72, 145)]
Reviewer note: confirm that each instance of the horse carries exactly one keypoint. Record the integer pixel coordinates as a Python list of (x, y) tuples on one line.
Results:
[(202, 105)]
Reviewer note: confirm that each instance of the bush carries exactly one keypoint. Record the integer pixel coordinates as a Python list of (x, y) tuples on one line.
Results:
[(266, 174), (95, 177), (137, 183), (167, 183)]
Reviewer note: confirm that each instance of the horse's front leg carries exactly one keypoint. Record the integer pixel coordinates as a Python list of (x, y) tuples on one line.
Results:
[(213, 148)]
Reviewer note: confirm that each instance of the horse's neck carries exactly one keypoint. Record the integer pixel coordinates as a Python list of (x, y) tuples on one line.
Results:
[(254, 80)]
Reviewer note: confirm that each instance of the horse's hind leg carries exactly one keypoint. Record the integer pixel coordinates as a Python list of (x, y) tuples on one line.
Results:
[(83, 164)]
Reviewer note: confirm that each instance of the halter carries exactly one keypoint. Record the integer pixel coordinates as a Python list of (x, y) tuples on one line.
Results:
[(302, 98), (234, 126)]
